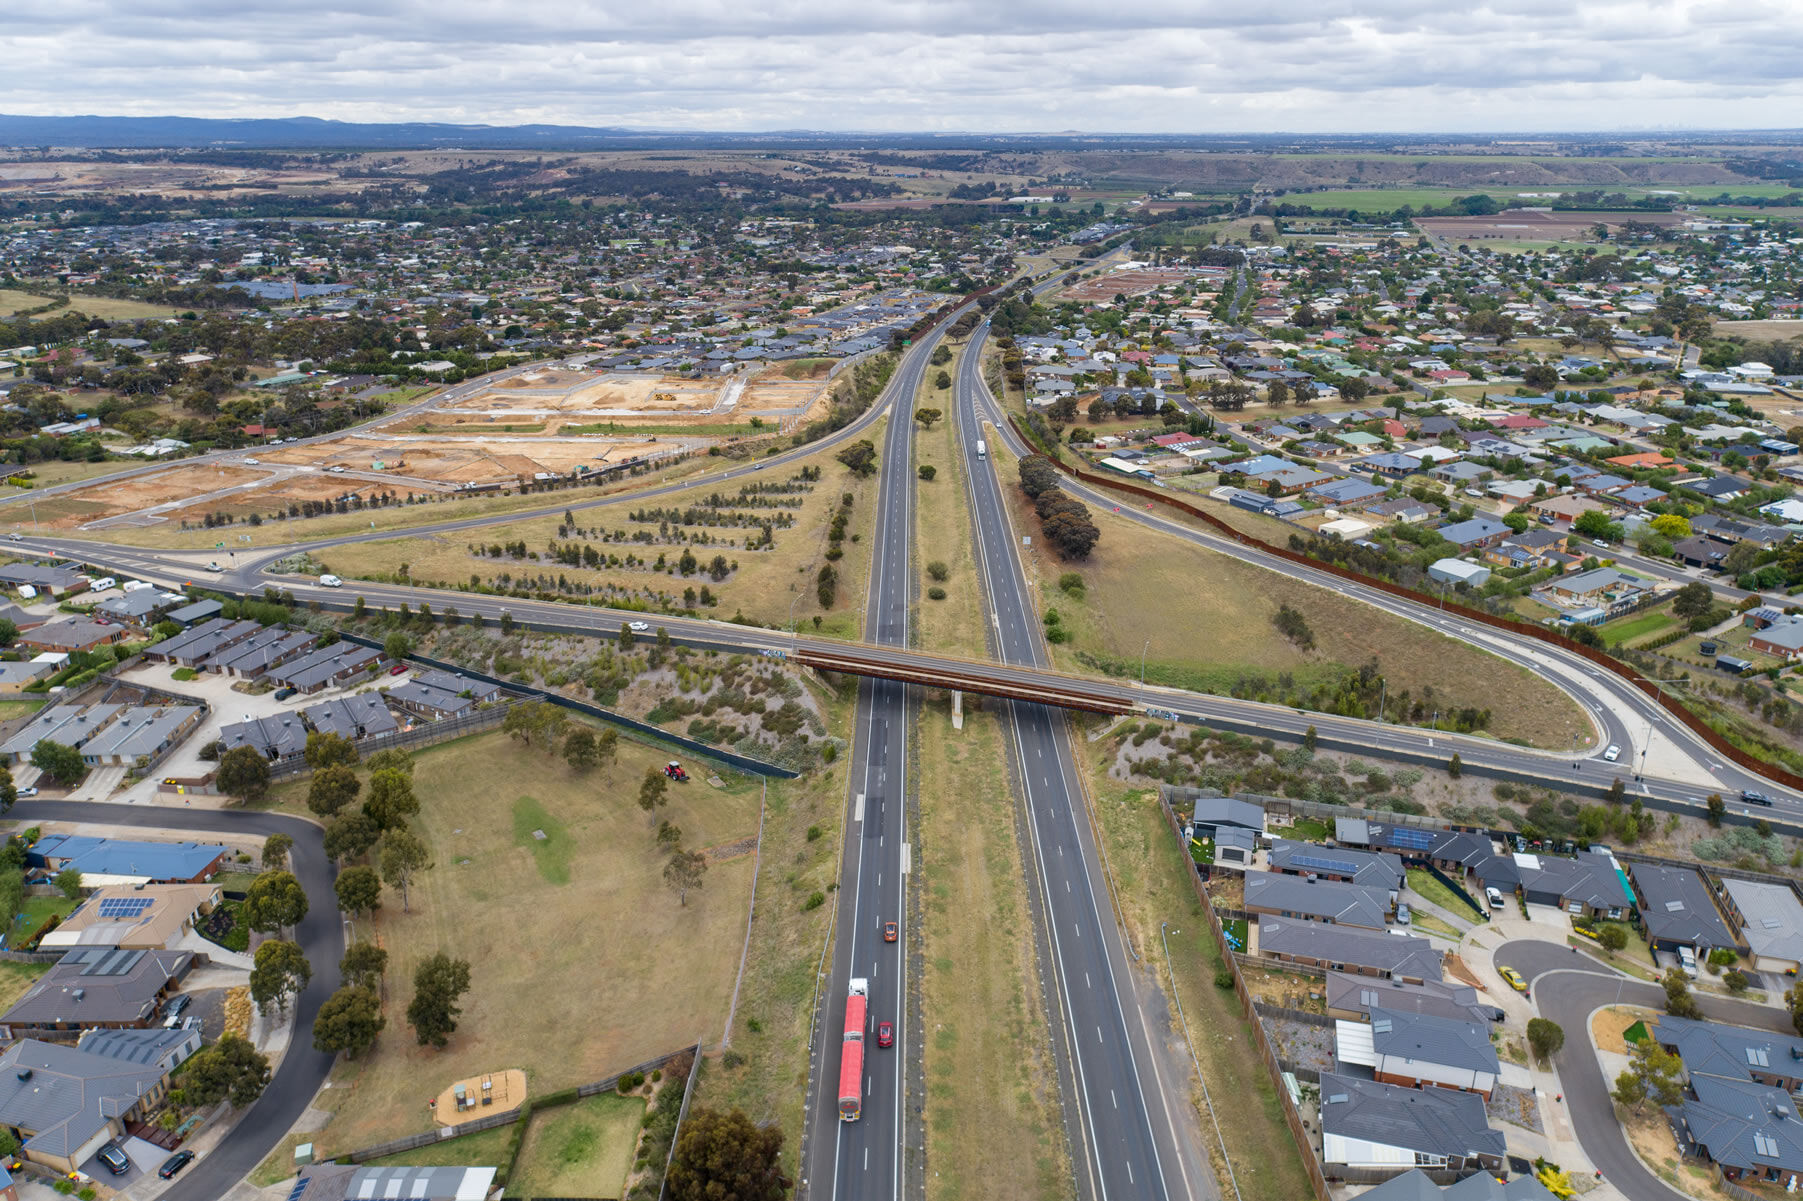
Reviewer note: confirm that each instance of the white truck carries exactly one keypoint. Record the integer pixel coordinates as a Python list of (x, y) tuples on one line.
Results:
[(982, 449), (331, 581)]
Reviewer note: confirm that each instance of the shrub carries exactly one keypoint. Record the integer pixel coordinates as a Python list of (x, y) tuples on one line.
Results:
[(814, 901), (1071, 584), (939, 571), (935, 593), (1224, 977), (813, 833)]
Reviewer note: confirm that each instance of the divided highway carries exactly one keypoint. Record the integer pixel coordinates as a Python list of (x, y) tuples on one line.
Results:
[(1126, 1122)]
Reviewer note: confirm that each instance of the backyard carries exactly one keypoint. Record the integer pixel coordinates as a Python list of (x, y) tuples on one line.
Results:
[(579, 1150), (578, 920), (1430, 887)]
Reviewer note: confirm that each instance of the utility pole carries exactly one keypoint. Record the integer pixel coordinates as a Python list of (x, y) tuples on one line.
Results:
[(1142, 661)]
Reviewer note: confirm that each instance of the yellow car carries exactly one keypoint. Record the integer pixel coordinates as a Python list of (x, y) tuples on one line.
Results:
[(1514, 978)]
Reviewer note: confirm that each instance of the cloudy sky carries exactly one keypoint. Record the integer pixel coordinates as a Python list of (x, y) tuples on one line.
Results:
[(1004, 65)]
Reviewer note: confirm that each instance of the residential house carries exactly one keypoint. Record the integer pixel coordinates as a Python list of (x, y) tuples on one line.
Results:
[(1368, 1124), (1734, 1052), (66, 1102), (1342, 865), (277, 736), (352, 1182), (95, 987), (196, 644), (1565, 508), (1353, 998), (142, 733), (329, 665), (141, 607), (1596, 586), (53, 580), (1750, 1131), (14, 677), (1589, 882), (138, 916), (1405, 509), (1533, 548), (1316, 900), (1420, 1050), (480, 691), (190, 615), (1388, 465), (1783, 639), (1770, 920), (1676, 910), (1699, 551), (1417, 1185), (1474, 534), (361, 715), (106, 861), (73, 634), (252, 658), (70, 725), (1346, 491), (426, 701), (1346, 949)]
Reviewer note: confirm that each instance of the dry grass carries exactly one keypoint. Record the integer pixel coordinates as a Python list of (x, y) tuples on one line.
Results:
[(1151, 874), (16, 979), (992, 1111), (776, 1000), (763, 589), (1760, 331), (957, 624), (1203, 620), (579, 1150), (1608, 1026), (610, 954)]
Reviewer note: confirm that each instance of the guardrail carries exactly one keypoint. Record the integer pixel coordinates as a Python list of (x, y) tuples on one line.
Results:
[(1040, 692), (1524, 629)]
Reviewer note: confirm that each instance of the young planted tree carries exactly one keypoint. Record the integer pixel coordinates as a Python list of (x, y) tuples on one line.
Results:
[(1546, 1037), (229, 1070), (275, 850), (326, 750), (61, 763), (1612, 937), (579, 749), (280, 971), (68, 882), (437, 985), (392, 759), (403, 857), (685, 870), (653, 791)]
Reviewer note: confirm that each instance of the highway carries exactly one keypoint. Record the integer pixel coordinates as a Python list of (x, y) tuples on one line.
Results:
[(1127, 1122), (868, 1158)]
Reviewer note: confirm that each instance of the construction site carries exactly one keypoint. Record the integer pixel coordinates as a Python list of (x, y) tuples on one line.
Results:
[(540, 426)]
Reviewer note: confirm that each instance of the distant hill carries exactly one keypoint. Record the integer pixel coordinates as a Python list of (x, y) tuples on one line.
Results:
[(292, 133)]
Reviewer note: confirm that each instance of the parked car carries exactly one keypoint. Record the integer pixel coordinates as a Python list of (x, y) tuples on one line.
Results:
[(1494, 897), (173, 1009), (115, 1159), (1514, 978), (1687, 959), (28, 792), (1402, 913), (397, 669), (282, 694), (175, 1163), (885, 1034), (1613, 753)]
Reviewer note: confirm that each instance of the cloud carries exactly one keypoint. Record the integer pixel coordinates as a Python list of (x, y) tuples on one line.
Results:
[(897, 65)]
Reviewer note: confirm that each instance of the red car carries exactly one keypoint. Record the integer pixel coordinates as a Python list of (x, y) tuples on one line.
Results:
[(397, 669), (885, 1034), (889, 931)]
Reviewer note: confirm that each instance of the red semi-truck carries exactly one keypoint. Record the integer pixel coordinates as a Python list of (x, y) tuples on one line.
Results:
[(851, 1056)]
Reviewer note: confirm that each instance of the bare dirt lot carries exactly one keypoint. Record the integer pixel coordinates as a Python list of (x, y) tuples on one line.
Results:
[(1125, 283), (116, 497), (1539, 225)]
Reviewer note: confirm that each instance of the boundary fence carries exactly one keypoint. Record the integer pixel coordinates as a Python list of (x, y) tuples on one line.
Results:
[(693, 746), (508, 1117), (427, 733), (1524, 629)]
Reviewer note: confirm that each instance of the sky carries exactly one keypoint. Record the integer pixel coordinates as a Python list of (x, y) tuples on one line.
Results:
[(1206, 66)]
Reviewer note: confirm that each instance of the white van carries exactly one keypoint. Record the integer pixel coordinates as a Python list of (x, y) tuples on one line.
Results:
[(331, 581)]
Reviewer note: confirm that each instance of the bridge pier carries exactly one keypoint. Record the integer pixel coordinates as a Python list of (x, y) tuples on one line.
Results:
[(957, 709)]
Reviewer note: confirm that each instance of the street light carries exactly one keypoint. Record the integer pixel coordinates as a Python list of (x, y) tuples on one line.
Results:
[(1142, 661)]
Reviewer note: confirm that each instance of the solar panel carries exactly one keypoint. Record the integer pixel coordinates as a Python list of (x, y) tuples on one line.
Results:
[(1674, 906), (1413, 839), (1321, 863), (124, 906), (300, 1186), (1766, 1145)]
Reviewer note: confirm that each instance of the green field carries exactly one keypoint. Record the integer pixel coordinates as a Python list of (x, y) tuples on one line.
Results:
[(1384, 200), (579, 1150), (1638, 626)]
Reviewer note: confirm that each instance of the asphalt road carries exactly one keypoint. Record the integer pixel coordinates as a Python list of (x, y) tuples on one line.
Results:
[(1122, 1122), (868, 1158), (1568, 988), (320, 934)]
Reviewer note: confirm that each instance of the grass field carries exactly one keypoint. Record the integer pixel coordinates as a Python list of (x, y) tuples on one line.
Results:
[(802, 833), (942, 533), (992, 1107), (484, 1149), (16, 978), (105, 307), (1150, 871), (1203, 621), (767, 585), (1424, 884), (12, 709), (1639, 625), (579, 1150), (1760, 331), (609, 953)]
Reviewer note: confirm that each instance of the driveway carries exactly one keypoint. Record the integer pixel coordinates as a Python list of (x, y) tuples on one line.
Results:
[(1568, 988)]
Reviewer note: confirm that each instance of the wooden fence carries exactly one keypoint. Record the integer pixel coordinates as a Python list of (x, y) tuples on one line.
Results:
[(506, 1117), (1304, 1141), (1523, 629)]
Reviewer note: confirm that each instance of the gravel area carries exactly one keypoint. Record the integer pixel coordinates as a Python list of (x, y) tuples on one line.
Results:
[(1301, 1045), (1516, 1105)]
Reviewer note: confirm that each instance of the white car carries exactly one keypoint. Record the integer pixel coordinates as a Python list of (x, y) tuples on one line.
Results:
[(638, 627), (1613, 753), (331, 581), (254, 462)]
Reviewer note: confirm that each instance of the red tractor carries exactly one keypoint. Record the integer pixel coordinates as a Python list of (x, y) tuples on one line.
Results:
[(673, 770)]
